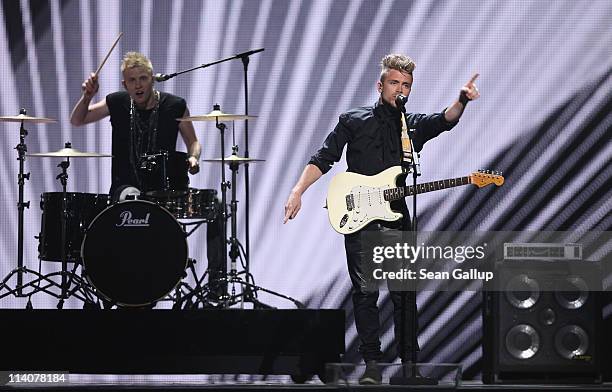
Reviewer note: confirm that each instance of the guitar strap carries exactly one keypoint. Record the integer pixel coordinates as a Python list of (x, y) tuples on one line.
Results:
[(406, 148)]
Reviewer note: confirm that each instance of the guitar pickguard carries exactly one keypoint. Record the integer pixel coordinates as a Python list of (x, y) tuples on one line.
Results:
[(365, 204)]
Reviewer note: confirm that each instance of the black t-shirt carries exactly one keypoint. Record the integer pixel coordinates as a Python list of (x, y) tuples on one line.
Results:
[(171, 107)]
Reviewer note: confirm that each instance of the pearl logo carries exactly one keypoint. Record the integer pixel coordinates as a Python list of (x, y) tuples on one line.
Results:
[(128, 221)]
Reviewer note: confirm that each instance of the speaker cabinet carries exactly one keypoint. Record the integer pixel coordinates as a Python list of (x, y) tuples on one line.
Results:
[(542, 323)]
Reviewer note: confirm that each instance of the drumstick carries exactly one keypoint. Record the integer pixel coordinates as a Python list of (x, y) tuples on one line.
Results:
[(109, 53)]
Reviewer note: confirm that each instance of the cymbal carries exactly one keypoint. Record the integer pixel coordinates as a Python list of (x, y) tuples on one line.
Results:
[(69, 153), (234, 159), (24, 118), (217, 114)]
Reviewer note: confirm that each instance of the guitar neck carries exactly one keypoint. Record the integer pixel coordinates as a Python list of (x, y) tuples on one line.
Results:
[(404, 191)]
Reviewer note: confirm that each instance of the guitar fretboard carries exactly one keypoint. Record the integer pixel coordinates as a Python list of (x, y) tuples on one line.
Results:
[(401, 192)]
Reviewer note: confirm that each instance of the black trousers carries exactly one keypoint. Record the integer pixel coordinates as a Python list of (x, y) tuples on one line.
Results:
[(365, 302)]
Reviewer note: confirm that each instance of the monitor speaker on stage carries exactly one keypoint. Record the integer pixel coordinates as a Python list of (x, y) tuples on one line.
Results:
[(542, 323)]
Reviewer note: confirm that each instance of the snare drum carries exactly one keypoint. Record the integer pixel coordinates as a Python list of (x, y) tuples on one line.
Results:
[(134, 253), (194, 204), (81, 209)]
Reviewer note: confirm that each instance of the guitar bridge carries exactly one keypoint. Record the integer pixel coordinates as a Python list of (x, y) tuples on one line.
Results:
[(350, 202)]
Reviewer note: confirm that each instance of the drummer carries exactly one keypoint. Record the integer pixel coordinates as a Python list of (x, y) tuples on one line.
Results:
[(143, 120)]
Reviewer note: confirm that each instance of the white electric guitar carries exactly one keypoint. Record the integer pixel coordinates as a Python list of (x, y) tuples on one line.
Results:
[(354, 200)]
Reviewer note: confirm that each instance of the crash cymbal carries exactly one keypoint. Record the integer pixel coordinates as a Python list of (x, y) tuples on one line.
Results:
[(69, 153), (217, 114), (24, 118), (234, 159)]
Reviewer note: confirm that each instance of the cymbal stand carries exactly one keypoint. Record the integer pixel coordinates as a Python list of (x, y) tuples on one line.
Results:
[(63, 177), (233, 240), (223, 213), (249, 289), (21, 148), (81, 291)]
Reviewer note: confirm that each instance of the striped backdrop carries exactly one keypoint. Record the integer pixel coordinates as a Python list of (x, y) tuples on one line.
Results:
[(544, 119)]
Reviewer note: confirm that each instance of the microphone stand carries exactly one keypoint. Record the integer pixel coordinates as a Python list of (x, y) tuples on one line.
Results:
[(164, 77), (413, 378), (249, 295)]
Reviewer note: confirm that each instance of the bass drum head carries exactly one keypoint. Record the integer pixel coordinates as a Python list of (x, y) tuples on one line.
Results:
[(134, 253)]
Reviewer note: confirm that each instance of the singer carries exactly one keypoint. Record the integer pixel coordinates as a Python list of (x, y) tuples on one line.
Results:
[(372, 136)]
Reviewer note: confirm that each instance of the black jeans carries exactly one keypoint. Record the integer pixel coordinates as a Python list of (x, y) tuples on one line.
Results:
[(366, 309)]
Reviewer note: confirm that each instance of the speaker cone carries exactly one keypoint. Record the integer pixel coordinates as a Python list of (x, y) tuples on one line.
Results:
[(522, 341), (571, 341), (522, 291), (572, 292)]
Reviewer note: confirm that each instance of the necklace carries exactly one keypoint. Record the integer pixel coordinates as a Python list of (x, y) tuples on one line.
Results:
[(143, 134)]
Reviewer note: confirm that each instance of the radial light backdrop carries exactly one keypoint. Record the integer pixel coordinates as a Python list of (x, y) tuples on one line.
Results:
[(544, 119)]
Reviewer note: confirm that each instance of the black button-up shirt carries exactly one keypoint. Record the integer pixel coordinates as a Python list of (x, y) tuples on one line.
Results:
[(373, 138)]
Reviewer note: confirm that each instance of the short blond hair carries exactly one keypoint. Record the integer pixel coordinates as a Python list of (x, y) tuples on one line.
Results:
[(398, 62), (136, 59)]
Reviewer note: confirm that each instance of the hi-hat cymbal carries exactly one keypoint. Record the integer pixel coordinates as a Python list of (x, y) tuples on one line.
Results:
[(24, 118), (234, 159), (217, 115), (69, 153)]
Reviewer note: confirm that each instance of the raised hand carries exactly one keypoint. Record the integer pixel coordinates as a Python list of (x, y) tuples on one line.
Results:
[(90, 86), (469, 91)]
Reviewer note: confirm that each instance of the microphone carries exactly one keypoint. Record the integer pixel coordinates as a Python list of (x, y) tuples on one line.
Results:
[(400, 102), (161, 77)]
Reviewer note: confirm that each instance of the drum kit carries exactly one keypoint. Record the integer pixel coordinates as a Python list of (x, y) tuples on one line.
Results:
[(132, 252)]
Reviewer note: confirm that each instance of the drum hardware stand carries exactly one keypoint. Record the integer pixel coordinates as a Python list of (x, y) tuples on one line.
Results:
[(223, 213), (248, 289), (184, 300), (65, 282), (21, 148), (247, 294), (197, 225), (63, 177), (67, 277), (81, 291)]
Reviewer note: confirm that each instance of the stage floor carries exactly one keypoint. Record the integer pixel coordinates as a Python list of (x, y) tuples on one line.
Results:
[(81, 382)]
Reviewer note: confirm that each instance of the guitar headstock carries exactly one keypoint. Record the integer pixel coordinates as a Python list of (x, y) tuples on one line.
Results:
[(483, 178)]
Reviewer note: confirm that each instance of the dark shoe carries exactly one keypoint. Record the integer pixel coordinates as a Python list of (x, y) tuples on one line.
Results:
[(371, 375)]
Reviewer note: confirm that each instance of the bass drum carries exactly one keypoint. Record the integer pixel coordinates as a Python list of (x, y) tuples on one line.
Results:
[(134, 253)]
